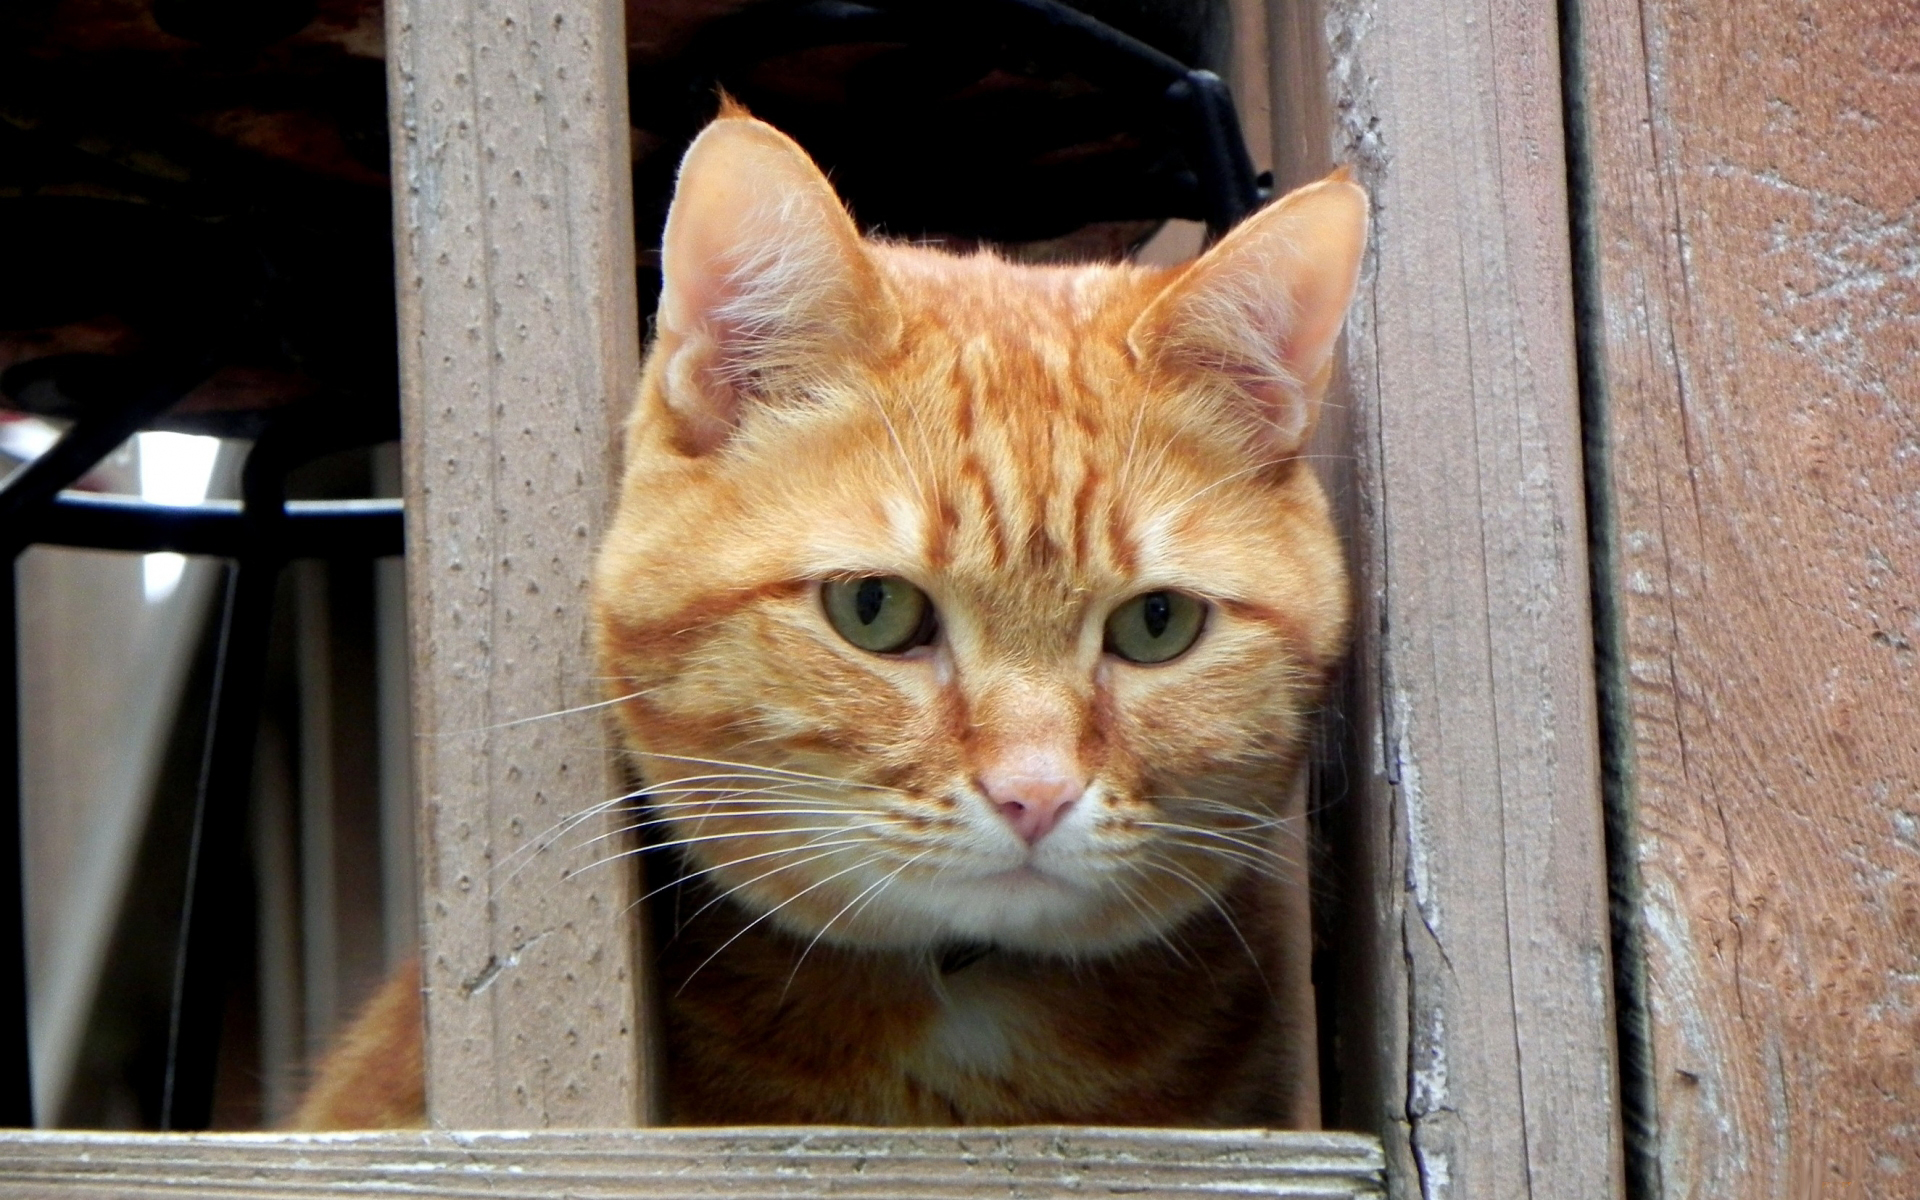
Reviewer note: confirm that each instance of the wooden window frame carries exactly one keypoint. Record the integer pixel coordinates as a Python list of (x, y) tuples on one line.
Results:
[(1474, 1032)]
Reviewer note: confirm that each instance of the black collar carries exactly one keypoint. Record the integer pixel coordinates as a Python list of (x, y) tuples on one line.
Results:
[(956, 957)]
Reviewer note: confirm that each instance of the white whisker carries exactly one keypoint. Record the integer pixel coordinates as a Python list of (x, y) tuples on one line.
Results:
[(1233, 926), (871, 889), (765, 771), (1146, 917), (546, 716), (1243, 849), (733, 835), (829, 847), (743, 796), (818, 883), (816, 843)]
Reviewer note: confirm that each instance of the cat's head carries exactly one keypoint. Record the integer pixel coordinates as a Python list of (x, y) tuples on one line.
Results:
[(956, 600)]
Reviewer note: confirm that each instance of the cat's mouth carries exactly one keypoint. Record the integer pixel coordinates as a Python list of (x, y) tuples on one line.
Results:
[(1027, 875)]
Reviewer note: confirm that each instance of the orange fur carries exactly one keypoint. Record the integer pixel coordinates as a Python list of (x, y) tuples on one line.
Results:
[(375, 1078), (1030, 447)]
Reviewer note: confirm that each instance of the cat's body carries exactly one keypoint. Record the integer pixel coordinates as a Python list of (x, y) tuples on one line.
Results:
[(966, 621)]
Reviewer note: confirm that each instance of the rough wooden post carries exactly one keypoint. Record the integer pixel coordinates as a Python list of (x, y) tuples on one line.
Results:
[(1755, 217), (1477, 782), (518, 352)]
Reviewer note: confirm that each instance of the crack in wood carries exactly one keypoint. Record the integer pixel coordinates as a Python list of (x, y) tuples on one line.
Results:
[(483, 979)]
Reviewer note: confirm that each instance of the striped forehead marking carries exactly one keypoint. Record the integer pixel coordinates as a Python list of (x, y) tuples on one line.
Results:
[(1030, 487)]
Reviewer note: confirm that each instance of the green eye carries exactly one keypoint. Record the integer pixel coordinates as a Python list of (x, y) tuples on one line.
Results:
[(881, 613), (1155, 627)]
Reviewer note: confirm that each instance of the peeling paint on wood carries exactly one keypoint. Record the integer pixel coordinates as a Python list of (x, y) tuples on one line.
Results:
[(1756, 231)]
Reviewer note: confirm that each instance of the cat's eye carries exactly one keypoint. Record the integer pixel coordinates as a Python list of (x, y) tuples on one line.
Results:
[(881, 613), (1155, 626)]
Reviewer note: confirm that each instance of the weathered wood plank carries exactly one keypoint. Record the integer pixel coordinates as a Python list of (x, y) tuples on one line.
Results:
[(1755, 209), (519, 344), (1482, 898), (820, 1161)]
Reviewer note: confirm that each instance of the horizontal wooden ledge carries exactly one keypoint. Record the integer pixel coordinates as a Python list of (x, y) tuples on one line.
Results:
[(659, 1163)]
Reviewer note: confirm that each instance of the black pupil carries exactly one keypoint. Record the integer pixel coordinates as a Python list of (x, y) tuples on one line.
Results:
[(1156, 610), (868, 600)]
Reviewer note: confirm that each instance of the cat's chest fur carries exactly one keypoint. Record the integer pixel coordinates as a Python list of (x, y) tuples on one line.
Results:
[(858, 1037), (976, 1029)]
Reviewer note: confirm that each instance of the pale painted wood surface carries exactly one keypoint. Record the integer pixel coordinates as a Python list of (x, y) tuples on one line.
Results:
[(518, 344), (819, 1161), (1756, 207), (1481, 881)]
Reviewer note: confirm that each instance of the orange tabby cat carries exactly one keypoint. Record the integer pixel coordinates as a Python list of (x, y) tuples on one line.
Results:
[(968, 618)]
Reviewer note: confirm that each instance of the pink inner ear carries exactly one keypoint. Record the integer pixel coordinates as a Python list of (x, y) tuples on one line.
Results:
[(1284, 408), (761, 269), (1320, 298), (708, 408), (694, 341)]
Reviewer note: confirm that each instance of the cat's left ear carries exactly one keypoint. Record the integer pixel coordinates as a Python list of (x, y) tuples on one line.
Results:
[(1261, 310), (764, 278)]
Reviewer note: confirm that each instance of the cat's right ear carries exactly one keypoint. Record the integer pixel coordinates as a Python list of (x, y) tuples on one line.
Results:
[(764, 275), (1261, 310)]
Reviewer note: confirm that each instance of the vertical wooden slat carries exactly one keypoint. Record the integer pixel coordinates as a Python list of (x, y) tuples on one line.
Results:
[(1756, 244), (1250, 74), (518, 350), (1299, 112), (1477, 792)]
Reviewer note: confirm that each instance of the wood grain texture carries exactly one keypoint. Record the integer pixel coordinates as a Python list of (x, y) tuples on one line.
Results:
[(1299, 107), (1755, 209), (1032, 1162), (519, 343), (1477, 796)]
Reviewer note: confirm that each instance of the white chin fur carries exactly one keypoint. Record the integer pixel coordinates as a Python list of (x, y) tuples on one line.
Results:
[(1022, 910), (1016, 910)]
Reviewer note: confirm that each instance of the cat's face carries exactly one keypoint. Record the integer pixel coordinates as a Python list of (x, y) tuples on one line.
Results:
[(960, 601)]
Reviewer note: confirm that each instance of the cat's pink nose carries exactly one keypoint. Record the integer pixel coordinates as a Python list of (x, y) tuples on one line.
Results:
[(1032, 796)]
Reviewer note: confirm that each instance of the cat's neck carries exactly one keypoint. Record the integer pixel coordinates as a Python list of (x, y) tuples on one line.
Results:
[(961, 1032)]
